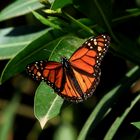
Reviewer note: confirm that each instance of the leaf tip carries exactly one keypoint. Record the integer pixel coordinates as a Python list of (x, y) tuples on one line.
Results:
[(43, 121)]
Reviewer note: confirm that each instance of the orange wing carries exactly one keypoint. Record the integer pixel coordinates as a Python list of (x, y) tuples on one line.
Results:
[(85, 64), (49, 71), (90, 54), (78, 87)]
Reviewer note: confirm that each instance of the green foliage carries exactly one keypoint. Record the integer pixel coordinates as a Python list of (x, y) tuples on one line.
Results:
[(47, 105), (104, 107), (46, 21), (136, 124), (10, 45), (113, 129), (57, 29)]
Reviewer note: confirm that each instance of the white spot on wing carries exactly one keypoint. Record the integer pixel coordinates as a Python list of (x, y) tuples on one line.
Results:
[(89, 44)]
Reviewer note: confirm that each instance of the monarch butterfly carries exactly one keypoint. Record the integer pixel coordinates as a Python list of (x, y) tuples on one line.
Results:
[(74, 79)]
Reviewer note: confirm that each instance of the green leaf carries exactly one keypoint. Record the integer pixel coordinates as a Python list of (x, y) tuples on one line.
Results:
[(13, 40), (134, 12), (60, 4), (47, 104), (8, 115), (45, 21), (18, 8), (136, 124), (79, 24), (118, 121)]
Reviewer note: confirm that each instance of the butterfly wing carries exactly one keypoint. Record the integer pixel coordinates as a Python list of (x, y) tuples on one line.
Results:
[(78, 87), (70, 91), (90, 54), (85, 64), (49, 71)]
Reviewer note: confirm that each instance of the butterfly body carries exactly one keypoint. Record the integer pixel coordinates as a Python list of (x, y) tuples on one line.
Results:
[(65, 63), (74, 79)]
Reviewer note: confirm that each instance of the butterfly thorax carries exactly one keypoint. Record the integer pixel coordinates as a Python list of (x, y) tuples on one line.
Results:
[(65, 63)]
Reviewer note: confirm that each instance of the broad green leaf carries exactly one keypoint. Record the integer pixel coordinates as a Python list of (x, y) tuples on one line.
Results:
[(47, 104), (118, 121), (8, 115), (18, 8), (136, 124), (104, 105), (60, 4), (13, 40)]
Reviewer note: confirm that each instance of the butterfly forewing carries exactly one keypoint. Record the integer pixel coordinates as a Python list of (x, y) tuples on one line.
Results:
[(49, 71), (90, 54)]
